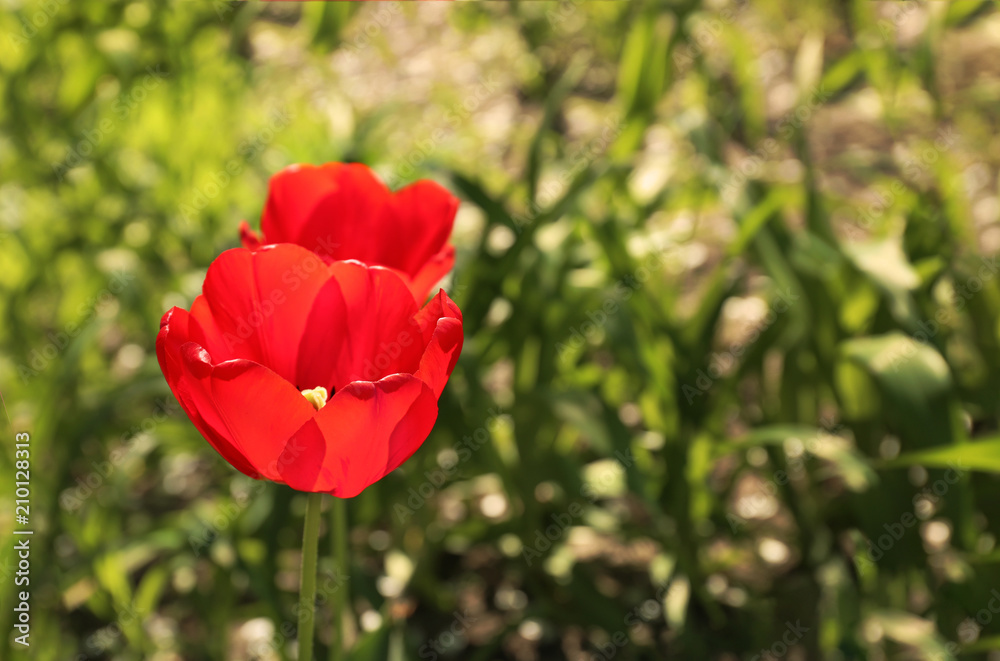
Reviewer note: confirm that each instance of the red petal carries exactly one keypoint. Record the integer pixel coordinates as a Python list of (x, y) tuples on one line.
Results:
[(330, 209), (439, 307), (260, 302), (432, 273), (259, 409), (359, 327), (439, 342), (364, 431), (250, 239), (214, 339), (419, 218), (439, 360), (176, 328), (244, 410), (343, 211)]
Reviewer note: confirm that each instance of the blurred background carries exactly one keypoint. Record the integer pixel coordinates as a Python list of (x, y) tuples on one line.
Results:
[(730, 385)]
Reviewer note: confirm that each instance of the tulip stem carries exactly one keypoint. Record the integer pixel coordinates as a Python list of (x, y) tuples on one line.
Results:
[(338, 533), (307, 590)]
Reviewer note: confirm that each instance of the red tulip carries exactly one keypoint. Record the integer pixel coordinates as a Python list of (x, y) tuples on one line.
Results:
[(342, 211), (321, 376)]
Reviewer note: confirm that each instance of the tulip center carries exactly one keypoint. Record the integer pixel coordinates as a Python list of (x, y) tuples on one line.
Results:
[(316, 396)]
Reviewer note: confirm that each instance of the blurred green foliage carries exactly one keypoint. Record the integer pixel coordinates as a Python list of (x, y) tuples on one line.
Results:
[(730, 379)]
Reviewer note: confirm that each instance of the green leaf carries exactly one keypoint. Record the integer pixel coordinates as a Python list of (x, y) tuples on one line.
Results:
[(553, 105), (844, 459), (326, 20), (980, 455), (915, 632), (963, 12), (752, 222), (150, 589), (887, 266), (843, 74), (915, 384), (643, 68)]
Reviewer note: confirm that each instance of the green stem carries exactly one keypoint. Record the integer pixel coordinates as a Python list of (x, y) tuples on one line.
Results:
[(338, 533), (307, 591)]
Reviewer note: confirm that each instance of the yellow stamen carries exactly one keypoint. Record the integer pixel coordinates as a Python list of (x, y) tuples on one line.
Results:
[(316, 396)]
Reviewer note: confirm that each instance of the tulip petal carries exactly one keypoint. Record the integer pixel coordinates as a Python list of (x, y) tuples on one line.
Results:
[(439, 307), (250, 239), (436, 268), (359, 326), (343, 211), (419, 218), (364, 431), (439, 338), (329, 209), (260, 302), (176, 329), (259, 409), (214, 339), (441, 355)]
